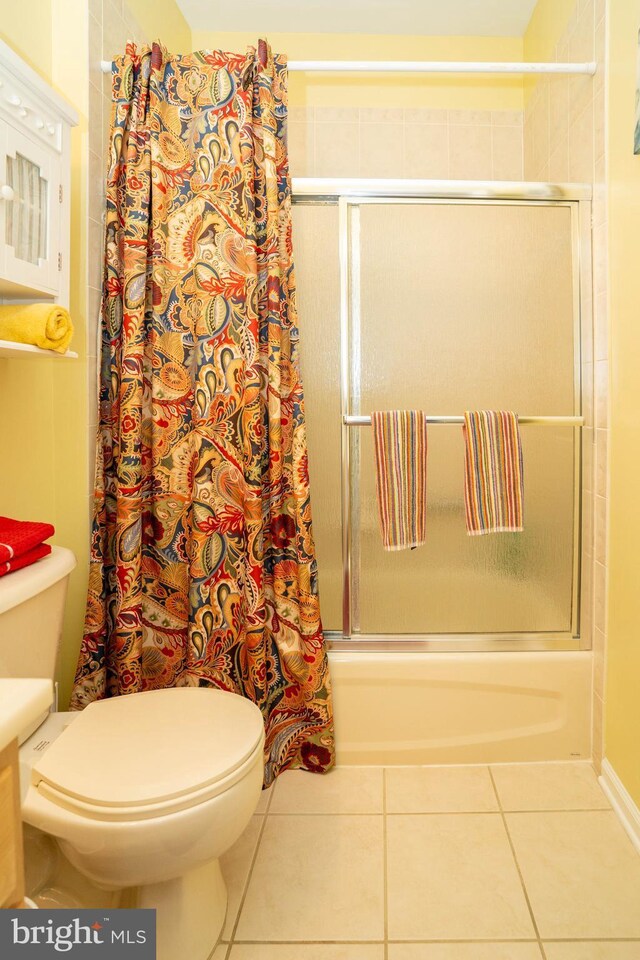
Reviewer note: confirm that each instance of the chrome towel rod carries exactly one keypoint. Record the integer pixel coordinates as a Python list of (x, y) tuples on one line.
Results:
[(425, 66), (353, 421)]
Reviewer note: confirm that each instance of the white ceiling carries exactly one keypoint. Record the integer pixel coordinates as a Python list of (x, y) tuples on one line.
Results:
[(484, 18)]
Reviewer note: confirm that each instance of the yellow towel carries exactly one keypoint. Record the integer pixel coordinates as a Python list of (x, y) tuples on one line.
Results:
[(45, 325)]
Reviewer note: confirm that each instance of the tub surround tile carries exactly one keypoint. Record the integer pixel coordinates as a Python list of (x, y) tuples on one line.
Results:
[(425, 115), (439, 790), (316, 878), (301, 142), (469, 152), (426, 151), (581, 872), (598, 950), (601, 462), (474, 117), (507, 118), (453, 878), (464, 951), (337, 149), (350, 790), (506, 153), (381, 149), (548, 786), (337, 114), (381, 115)]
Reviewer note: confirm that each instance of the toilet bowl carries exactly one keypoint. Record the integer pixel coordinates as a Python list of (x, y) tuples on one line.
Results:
[(144, 792)]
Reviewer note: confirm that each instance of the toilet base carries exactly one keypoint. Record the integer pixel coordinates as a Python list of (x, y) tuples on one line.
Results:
[(190, 911)]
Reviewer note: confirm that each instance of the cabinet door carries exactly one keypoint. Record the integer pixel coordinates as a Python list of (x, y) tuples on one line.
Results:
[(11, 857), (30, 218)]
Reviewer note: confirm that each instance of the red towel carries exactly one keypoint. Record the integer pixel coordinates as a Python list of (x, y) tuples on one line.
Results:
[(25, 559), (18, 537)]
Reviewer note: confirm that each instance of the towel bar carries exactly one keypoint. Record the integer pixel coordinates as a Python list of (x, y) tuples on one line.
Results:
[(357, 421)]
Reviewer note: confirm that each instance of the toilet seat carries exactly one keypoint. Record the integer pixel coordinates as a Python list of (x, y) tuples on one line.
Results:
[(151, 754)]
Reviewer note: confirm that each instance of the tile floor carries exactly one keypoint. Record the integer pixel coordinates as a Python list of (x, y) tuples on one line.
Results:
[(515, 862)]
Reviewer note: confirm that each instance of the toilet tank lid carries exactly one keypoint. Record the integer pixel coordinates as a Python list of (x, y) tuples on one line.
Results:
[(20, 586)]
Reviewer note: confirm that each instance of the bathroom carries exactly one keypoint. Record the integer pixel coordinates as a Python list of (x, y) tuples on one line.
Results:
[(485, 797)]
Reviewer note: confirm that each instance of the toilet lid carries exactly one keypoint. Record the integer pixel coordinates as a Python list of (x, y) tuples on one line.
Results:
[(147, 748)]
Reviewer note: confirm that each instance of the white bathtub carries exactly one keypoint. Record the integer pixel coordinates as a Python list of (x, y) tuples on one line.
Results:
[(413, 708)]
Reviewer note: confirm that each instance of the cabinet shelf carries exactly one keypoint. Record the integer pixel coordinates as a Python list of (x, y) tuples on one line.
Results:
[(24, 351)]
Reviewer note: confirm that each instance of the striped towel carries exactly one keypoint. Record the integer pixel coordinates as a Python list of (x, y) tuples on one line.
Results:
[(493, 491), (400, 445)]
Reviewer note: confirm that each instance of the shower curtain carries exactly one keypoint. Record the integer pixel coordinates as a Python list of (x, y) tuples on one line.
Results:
[(203, 570)]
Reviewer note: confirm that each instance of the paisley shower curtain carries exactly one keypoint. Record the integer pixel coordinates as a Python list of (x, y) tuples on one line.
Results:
[(203, 569)]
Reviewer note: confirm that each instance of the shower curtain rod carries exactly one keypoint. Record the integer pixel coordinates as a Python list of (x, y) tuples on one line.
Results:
[(352, 421), (425, 66)]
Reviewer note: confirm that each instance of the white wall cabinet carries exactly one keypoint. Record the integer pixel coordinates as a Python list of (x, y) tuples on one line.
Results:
[(35, 125)]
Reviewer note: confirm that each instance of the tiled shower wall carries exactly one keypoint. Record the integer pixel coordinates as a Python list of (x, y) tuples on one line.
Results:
[(418, 142), (564, 140), (111, 25)]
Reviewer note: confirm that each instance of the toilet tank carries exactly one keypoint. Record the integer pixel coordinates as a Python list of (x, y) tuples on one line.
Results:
[(31, 614)]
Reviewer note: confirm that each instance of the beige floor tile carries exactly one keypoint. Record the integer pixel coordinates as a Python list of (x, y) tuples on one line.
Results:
[(308, 951), (581, 873), (453, 878), (220, 952), (464, 951), (548, 786), (342, 790), (595, 950), (265, 797), (439, 790), (316, 878), (235, 865)]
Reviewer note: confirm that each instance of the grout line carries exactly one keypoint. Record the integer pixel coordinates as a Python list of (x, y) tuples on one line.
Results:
[(439, 813), (248, 880), (458, 940), (515, 860), (384, 863), (440, 941)]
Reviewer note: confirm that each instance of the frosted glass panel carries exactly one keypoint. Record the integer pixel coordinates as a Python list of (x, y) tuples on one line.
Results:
[(315, 247), (467, 306), (26, 216)]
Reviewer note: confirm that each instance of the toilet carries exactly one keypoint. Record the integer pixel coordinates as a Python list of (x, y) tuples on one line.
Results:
[(143, 793)]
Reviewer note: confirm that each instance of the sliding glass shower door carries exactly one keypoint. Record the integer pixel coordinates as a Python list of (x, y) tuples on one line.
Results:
[(442, 305)]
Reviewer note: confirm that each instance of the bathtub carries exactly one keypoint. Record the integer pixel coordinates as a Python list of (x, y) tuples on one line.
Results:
[(414, 708)]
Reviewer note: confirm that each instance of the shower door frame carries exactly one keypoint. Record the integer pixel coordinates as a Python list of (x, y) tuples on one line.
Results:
[(349, 195)]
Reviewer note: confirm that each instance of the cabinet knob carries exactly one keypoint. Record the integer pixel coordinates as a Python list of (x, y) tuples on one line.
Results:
[(6, 192), (14, 100)]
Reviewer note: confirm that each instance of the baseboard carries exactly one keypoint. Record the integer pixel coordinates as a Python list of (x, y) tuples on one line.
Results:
[(623, 804)]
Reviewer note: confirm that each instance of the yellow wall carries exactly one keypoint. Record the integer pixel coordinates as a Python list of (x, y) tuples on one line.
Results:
[(394, 90), (622, 728), (43, 403), (162, 19), (43, 434), (547, 24), (29, 35)]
